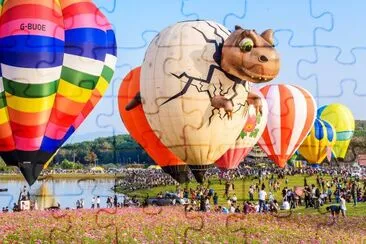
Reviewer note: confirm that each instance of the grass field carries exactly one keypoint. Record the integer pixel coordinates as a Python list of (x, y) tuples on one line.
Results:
[(242, 188)]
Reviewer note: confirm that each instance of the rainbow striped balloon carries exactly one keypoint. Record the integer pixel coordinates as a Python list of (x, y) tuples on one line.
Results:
[(291, 116), (57, 59)]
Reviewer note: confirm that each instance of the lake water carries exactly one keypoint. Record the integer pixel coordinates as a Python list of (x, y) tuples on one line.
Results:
[(65, 192)]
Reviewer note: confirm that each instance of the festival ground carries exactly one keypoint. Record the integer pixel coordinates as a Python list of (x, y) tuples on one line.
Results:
[(242, 188)]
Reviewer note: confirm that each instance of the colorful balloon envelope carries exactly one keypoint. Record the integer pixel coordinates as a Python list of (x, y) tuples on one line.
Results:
[(57, 59), (178, 82), (291, 116), (319, 142), (344, 124), (138, 127), (249, 136)]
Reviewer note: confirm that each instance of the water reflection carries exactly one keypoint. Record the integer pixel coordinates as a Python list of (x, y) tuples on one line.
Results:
[(44, 197), (49, 192)]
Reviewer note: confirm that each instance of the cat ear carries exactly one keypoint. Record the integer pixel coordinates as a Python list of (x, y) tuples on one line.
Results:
[(238, 27), (268, 36)]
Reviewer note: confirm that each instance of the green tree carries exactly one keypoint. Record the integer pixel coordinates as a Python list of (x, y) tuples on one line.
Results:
[(66, 164), (91, 158)]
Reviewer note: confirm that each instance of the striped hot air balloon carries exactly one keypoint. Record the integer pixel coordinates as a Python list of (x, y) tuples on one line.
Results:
[(319, 142), (291, 116), (57, 58)]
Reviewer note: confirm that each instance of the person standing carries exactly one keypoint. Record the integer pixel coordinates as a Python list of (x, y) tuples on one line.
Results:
[(307, 196), (98, 202), (354, 193), (215, 199), (262, 199), (329, 193), (115, 201), (251, 193), (343, 206), (234, 198), (202, 204), (93, 202)]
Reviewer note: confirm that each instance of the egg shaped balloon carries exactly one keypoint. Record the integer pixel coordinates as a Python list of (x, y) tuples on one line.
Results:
[(136, 123), (344, 124), (291, 114), (197, 108), (249, 136), (54, 55), (319, 142)]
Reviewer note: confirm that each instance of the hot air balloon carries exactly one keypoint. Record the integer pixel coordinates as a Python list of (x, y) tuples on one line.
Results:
[(57, 58), (344, 124), (138, 127), (194, 87), (248, 137), (319, 142), (291, 116)]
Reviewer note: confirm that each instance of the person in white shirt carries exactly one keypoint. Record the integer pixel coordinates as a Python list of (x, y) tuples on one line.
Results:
[(270, 197), (285, 205), (229, 202), (343, 206), (93, 202), (234, 198), (98, 202), (232, 209), (262, 199), (251, 193)]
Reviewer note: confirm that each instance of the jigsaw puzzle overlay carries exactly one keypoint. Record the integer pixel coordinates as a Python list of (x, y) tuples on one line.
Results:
[(86, 52)]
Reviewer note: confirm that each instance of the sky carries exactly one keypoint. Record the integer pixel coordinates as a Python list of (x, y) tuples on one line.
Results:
[(321, 44)]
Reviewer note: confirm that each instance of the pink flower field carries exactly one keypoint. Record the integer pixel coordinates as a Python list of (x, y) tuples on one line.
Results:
[(174, 225)]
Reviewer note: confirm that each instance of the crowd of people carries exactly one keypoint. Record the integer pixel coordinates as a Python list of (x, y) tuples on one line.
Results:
[(333, 185), (137, 179), (337, 190)]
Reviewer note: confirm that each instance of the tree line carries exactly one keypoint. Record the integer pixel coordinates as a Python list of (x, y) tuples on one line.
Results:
[(122, 150)]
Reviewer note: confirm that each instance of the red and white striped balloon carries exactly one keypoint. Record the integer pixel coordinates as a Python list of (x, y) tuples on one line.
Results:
[(292, 111)]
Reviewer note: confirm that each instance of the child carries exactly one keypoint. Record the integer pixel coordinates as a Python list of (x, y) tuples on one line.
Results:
[(343, 206)]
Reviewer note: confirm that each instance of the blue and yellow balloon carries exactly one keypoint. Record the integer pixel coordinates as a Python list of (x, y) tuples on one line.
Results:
[(344, 124), (319, 142)]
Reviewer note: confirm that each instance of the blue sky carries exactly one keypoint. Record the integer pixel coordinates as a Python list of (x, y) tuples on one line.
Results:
[(321, 43)]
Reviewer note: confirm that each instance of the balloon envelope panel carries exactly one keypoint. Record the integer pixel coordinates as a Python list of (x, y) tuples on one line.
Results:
[(138, 127), (291, 116), (249, 136), (180, 114), (319, 142), (52, 56), (344, 124)]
